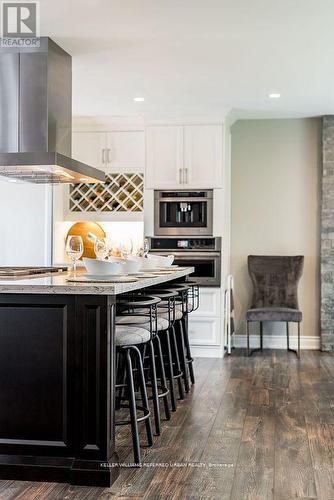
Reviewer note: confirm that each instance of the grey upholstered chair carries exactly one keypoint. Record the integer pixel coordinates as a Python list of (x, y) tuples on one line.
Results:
[(275, 281)]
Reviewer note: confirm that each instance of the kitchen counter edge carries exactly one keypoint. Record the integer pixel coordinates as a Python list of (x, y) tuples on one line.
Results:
[(59, 285)]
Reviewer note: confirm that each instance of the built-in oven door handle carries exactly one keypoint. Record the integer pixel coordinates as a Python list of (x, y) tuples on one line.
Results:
[(190, 254)]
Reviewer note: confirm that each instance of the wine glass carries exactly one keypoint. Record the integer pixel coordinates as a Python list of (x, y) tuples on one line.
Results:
[(126, 247), (74, 249), (101, 248), (146, 247)]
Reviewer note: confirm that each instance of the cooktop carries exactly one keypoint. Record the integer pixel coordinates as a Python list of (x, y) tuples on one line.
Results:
[(14, 272)]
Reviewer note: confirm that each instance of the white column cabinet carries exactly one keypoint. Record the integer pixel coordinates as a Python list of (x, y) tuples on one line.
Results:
[(184, 156), (203, 160), (164, 157)]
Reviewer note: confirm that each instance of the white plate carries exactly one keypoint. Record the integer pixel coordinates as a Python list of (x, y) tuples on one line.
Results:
[(171, 268), (100, 279), (102, 276)]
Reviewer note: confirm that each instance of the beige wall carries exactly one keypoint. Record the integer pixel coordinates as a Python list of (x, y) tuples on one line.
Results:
[(275, 206)]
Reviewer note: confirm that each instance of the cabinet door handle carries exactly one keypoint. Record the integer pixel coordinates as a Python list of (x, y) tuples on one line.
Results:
[(186, 175), (180, 175), (103, 155), (108, 155)]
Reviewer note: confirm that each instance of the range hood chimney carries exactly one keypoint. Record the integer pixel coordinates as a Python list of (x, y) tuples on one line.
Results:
[(36, 117)]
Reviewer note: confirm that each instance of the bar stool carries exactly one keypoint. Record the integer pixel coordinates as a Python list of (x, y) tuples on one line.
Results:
[(167, 311), (141, 311), (128, 339), (187, 302)]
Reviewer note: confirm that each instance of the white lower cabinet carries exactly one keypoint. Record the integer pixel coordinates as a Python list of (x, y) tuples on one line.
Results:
[(205, 324), (204, 331), (209, 303)]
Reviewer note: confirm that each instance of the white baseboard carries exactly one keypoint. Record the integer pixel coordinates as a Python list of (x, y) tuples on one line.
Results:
[(278, 341), (207, 351)]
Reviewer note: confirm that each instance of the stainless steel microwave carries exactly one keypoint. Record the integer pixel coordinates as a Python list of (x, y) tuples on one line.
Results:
[(183, 213)]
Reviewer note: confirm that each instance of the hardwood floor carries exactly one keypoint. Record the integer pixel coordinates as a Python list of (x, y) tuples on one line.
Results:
[(252, 428)]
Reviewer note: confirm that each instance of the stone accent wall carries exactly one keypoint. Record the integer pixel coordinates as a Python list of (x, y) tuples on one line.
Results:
[(327, 236)]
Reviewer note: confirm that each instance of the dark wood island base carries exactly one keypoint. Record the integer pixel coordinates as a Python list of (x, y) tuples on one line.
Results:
[(57, 378), (57, 388)]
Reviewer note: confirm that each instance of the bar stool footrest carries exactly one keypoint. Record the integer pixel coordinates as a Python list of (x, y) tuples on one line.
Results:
[(146, 415)]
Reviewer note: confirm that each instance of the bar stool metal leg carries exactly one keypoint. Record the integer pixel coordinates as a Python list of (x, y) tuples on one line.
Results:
[(143, 392), (177, 363), (155, 394), (247, 332), (162, 374), (170, 372), (182, 355), (190, 359), (133, 409)]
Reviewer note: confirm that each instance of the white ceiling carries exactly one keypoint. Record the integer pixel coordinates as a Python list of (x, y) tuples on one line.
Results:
[(196, 57)]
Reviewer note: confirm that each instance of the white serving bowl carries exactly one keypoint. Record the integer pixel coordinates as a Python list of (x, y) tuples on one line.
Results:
[(161, 261), (131, 266), (103, 267), (145, 264)]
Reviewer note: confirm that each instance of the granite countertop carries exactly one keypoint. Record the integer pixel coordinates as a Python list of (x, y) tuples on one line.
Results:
[(54, 284)]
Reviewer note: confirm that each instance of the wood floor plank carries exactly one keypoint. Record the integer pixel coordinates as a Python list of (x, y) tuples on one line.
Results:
[(294, 474), (253, 428)]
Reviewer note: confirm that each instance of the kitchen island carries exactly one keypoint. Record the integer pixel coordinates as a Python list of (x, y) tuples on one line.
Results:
[(57, 363)]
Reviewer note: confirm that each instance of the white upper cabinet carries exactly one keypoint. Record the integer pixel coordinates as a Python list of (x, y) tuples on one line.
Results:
[(188, 156), (90, 148), (203, 156), (126, 150), (110, 151), (164, 157)]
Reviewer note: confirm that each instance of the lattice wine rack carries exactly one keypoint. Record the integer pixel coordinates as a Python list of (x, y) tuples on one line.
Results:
[(119, 193)]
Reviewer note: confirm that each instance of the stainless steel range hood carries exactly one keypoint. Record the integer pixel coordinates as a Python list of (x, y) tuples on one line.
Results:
[(36, 117)]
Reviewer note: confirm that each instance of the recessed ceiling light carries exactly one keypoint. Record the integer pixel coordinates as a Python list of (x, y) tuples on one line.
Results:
[(139, 99), (12, 180), (274, 95)]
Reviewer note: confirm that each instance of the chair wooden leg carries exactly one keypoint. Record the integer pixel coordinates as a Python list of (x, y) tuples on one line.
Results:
[(297, 352), (250, 351)]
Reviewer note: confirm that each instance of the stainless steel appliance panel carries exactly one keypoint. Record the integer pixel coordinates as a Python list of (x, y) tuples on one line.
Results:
[(9, 102), (204, 254), (33, 102), (183, 213)]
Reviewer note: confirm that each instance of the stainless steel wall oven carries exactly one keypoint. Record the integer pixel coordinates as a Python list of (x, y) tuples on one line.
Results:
[(183, 213), (204, 254)]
